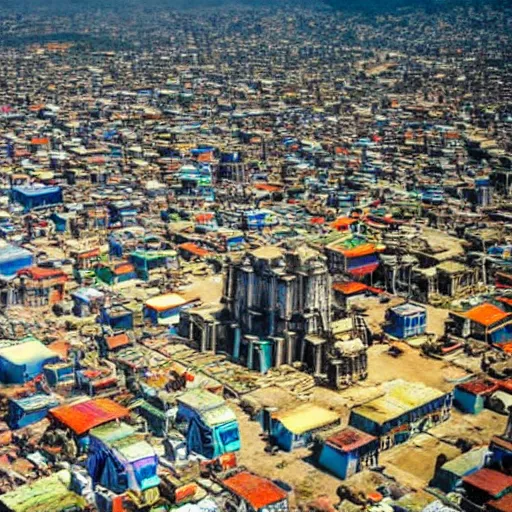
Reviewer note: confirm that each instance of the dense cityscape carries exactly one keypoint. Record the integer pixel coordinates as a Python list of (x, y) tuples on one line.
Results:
[(255, 258)]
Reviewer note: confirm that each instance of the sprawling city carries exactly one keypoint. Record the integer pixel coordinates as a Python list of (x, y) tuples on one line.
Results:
[(255, 256)]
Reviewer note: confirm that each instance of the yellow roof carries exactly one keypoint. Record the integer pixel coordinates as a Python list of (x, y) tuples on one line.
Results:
[(305, 418), (167, 301), (401, 397)]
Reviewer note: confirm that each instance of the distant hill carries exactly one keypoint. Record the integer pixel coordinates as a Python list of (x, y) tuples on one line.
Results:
[(373, 6), (387, 6)]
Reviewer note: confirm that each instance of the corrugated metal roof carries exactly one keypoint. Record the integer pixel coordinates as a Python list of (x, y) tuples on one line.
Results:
[(259, 492), (490, 481), (400, 398)]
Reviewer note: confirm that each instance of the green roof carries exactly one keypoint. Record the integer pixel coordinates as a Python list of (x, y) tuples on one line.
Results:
[(112, 432), (200, 400), (218, 416), (50, 493), (133, 448), (466, 462)]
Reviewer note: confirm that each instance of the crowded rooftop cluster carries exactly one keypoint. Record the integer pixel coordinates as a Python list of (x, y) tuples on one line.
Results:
[(256, 260)]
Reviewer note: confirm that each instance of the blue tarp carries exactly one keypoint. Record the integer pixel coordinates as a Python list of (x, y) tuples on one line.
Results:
[(14, 258), (25, 411), (33, 197)]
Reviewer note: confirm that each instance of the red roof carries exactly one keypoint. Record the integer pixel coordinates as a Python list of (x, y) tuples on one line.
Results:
[(194, 249), (350, 288), (39, 273), (486, 314), (490, 481), (350, 439), (506, 300), (84, 416), (479, 387), (502, 505), (267, 187), (259, 492), (204, 218), (363, 270), (119, 340)]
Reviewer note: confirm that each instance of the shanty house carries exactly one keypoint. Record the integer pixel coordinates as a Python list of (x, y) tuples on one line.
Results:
[(81, 417), (406, 409), (353, 256), (149, 263), (165, 309), (87, 301), (117, 317), (28, 410), (347, 452), (295, 428), (33, 197), (406, 321), (483, 486), (115, 273), (121, 460), (40, 286), (255, 493), (24, 360), (470, 397), (212, 425), (14, 258), (489, 323), (450, 474)]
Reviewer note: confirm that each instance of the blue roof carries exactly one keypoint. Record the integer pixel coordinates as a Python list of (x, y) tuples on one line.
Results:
[(11, 253), (36, 191), (88, 294), (36, 402)]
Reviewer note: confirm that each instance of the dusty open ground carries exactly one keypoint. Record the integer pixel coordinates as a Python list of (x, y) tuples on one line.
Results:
[(412, 464)]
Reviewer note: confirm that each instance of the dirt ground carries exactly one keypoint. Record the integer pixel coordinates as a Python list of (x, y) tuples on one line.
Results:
[(413, 463), (411, 366), (208, 289), (375, 313), (307, 480)]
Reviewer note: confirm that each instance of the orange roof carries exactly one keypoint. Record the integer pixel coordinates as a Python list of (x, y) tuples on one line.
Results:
[(205, 157), (61, 348), (39, 273), (267, 187), (349, 288), (40, 141), (361, 250), (84, 416), (343, 222), (486, 314), (203, 218), (120, 340), (93, 253), (124, 268), (194, 249), (259, 492)]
